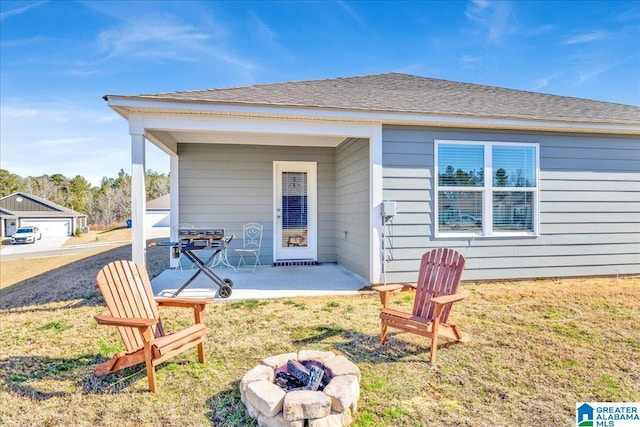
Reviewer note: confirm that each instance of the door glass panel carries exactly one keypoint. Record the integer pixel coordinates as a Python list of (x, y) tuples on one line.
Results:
[(294, 209)]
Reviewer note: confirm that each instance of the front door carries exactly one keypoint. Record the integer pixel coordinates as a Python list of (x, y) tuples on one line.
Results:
[(295, 211)]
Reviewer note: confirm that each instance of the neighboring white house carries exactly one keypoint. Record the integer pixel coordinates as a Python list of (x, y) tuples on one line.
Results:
[(158, 212), (372, 171), (22, 209)]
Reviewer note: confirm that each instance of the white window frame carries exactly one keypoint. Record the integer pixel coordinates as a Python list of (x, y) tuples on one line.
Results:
[(487, 191)]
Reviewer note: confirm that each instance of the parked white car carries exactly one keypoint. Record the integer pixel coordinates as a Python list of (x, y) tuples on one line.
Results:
[(26, 235)]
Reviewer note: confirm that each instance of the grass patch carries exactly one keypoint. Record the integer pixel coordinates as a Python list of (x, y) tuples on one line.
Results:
[(537, 347), (296, 304), (249, 304), (55, 326)]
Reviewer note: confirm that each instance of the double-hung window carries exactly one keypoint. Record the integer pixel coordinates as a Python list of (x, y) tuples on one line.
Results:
[(486, 188)]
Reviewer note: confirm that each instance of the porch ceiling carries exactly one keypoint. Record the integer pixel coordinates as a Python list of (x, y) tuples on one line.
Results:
[(245, 138)]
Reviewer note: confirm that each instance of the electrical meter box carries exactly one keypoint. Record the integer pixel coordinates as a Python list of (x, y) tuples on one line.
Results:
[(389, 209)]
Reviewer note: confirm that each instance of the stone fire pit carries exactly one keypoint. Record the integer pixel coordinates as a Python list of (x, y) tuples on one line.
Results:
[(274, 407)]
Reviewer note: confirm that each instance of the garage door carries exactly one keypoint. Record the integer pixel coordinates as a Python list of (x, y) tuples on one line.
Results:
[(50, 227)]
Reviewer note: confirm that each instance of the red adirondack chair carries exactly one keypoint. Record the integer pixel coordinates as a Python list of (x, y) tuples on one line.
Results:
[(440, 272)]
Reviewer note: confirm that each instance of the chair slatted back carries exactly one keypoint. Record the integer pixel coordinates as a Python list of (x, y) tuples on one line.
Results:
[(126, 289), (440, 272)]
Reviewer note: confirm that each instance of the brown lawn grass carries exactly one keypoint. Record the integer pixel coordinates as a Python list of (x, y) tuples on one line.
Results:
[(119, 234), (538, 348)]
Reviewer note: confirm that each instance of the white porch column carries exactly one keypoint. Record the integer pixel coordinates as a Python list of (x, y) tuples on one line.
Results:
[(174, 204), (138, 199), (375, 218)]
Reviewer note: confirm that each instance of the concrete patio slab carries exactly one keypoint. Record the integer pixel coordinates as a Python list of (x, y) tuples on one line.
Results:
[(265, 282)]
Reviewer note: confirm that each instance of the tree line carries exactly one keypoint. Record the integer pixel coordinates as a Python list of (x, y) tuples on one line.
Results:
[(109, 203)]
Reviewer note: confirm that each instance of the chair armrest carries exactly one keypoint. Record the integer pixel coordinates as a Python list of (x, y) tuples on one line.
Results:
[(132, 322), (393, 288), (387, 289), (198, 304), (449, 299), (183, 302)]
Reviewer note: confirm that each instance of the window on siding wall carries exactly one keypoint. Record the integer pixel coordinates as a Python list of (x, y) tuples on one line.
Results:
[(486, 188)]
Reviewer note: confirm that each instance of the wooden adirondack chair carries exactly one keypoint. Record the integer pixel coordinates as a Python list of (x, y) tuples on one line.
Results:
[(126, 289), (440, 272)]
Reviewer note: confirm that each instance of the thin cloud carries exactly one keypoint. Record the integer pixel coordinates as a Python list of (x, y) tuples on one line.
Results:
[(588, 75), (542, 83), (587, 37), (495, 17), (19, 113), (108, 119), (468, 61), (61, 142), (151, 37), (50, 115), (538, 30), (549, 79), (356, 17), (264, 33), (20, 10), (57, 112), (22, 42), (631, 14), (161, 38)]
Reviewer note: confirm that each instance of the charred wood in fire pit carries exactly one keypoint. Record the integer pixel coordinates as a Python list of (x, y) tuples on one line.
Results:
[(311, 378), (288, 382), (315, 378)]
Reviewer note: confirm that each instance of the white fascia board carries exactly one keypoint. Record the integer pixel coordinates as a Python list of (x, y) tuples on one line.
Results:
[(273, 125), (145, 107)]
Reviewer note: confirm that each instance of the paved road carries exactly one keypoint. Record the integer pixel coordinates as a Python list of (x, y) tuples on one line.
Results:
[(52, 246), (65, 250), (45, 244)]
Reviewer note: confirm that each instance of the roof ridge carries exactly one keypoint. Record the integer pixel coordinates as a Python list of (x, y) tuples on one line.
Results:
[(267, 84)]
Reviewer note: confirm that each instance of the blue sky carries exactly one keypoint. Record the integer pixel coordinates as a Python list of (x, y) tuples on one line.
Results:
[(58, 58)]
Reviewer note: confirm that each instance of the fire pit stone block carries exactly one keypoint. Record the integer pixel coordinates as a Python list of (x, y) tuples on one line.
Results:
[(340, 365), (266, 397), (278, 421), (279, 360), (317, 355), (258, 373), (344, 392), (305, 404), (334, 419)]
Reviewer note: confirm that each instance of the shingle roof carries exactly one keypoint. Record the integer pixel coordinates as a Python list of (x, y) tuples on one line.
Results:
[(161, 203), (403, 93)]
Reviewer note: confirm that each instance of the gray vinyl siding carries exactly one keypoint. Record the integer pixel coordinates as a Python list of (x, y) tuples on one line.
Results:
[(25, 205), (589, 207), (230, 185), (352, 205)]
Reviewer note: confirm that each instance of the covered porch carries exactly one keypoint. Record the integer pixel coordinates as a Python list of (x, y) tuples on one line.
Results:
[(230, 166), (328, 279)]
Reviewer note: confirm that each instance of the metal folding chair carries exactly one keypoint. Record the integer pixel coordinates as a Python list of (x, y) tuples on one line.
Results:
[(251, 242)]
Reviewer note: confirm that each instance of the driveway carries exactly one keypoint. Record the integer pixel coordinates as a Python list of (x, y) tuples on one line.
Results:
[(43, 245)]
